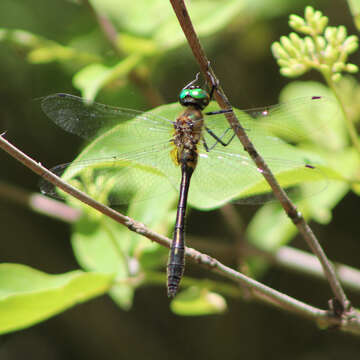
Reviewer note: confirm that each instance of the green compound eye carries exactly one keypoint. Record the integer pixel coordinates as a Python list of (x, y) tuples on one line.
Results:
[(198, 93), (194, 93), (195, 97), (184, 93)]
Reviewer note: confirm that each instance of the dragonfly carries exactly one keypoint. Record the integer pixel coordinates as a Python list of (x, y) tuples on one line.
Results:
[(195, 147)]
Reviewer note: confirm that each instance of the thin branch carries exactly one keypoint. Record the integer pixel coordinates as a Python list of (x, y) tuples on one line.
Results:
[(39, 203), (350, 126), (305, 263), (106, 27), (290, 209), (259, 291), (287, 257)]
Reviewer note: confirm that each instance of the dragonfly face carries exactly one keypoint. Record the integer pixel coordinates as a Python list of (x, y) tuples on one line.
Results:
[(194, 96)]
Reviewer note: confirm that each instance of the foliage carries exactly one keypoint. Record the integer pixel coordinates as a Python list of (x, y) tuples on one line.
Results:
[(28, 296), (117, 261)]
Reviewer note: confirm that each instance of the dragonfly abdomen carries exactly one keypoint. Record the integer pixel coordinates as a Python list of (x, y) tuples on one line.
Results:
[(176, 264)]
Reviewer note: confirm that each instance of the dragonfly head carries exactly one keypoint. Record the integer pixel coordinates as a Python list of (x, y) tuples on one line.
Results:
[(194, 96)]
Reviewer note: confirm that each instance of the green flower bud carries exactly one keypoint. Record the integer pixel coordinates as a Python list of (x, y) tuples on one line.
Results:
[(316, 17), (278, 51), (331, 53), (298, 69), (297, 41), (309, 44), (351, 68), (341, 34), (289, 47), (283, 63), (324, 48), (296, 22), (307, 30), (315, 21), (309, 13), (322, 24), (330, 34), (336, 77), (286, 71), (350, 44), (320, 43)]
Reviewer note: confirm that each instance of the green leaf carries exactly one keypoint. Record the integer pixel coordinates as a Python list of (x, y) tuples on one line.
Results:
[(270, 9), (155, 18), (28, 296), (40, 50), (355, 11), (158, 213), (346, 163), (133, 44), (276, 228), (92, 78), (198, 302), (208, 18), (100, 244)]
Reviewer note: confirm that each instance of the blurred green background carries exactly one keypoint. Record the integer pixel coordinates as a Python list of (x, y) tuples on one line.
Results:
[(240, 54)]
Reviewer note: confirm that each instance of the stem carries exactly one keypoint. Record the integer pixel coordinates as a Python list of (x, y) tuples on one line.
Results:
[(290, 209), (287, 257), (109, 31), (349, 124), (260, 291)]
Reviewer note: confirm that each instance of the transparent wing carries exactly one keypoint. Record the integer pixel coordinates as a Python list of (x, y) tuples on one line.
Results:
[(131, 149), (234, 177), (300, 120), (115, 180), (74, 115)]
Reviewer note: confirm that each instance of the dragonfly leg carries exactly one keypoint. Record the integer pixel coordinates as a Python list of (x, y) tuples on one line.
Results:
[(192, 82), (206, 145), (214, 84), (217, 112), (218, 139)]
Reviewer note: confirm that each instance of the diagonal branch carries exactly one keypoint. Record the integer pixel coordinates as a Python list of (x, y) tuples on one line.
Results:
[(290, 209)]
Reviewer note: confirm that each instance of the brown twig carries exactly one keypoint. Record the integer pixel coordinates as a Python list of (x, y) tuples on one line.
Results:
[(260, 291), (290, 209), (286, 257)]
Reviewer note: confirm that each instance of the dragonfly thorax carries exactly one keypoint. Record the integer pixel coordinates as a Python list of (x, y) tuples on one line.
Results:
[(194, 96), (188, 128)]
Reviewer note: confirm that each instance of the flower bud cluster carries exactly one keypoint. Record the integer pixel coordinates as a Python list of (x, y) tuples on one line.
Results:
[(324, 48)]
